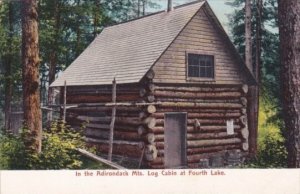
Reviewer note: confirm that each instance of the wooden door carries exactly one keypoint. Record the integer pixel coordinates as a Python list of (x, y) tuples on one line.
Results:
[(175, 129)]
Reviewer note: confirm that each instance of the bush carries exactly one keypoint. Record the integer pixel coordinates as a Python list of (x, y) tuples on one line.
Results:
[(59, 145), (272, 155), (271, 151), (11, 152)]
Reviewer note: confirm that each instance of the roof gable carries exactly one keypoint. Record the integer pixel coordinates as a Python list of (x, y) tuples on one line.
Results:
[(127, 50), (202, 35)]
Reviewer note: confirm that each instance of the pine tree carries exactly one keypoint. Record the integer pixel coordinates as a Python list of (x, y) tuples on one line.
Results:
[(289, 25), (30, 61)]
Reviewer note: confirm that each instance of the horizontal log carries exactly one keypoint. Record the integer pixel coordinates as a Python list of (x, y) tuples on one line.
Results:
[(196, 89), (142, 92), (245, 146), (141, 130), (192, 129), (201, 136), (118, 142), (94, 98), (244, 111), (150, 122), (205, 143), (93, 119), (151, 109), (103, 127), (130, 121), (150, 152), (243, 120), (212, 142), (192, 151), (150, 98), (197, 95), (101, 109), (118, 135), (103, 89), (151, 87), (245, 89), (244, 101), (208, 100), (200, 110), (245, 133), (160, 122), (108, 104), (107, 113), (203, 115), (119, 149), (157, 161), (200, 105), (149, 138), (143, 114), (196, 151)]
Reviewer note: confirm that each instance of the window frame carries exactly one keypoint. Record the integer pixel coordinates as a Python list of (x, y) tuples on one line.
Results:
[(208, 79)]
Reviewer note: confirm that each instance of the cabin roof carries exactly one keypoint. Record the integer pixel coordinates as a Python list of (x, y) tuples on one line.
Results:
[(128, 50)]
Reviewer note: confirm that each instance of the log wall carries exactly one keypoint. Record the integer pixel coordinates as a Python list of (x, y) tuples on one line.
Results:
[(209, 108), (95, 121), (139, 130)]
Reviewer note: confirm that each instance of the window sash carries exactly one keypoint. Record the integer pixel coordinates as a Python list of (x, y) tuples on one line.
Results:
[(200, 66)]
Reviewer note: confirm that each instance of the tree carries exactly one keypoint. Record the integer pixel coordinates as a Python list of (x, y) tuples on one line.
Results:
[(8, 71), (248, 45), (253, 90), (9, 58), (50, 17), (30, 72), (289, 25), (265, 60)]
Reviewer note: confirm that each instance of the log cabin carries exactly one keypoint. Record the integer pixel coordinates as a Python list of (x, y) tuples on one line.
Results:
[(182, 96)]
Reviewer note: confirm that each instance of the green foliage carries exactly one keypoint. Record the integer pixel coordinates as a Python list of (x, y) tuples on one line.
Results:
[(271, 150), (269, 39), (10, 56), (58, 150), (272, 154), (11, 152)]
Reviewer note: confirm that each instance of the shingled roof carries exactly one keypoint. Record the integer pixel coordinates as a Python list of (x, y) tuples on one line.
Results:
[(127, 50)]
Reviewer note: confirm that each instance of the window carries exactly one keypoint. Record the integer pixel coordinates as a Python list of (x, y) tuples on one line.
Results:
[(201, 66)]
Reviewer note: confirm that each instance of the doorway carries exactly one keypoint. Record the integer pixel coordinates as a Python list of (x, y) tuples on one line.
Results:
[(175, 132)]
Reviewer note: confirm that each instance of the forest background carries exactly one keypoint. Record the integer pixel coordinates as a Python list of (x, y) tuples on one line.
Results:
[(66, 27)]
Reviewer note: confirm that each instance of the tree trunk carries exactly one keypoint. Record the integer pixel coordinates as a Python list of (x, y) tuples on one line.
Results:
[(96, 17), (30, 61), (248, 46), (289, 30), (53, 59), (253, 90), (8, 72), (78, 31), (144, 7), (138, 8)]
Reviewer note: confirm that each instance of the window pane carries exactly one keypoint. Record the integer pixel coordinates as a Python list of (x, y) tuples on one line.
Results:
[(210, 72), (202, 72), (193, 71), (200, 66)]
